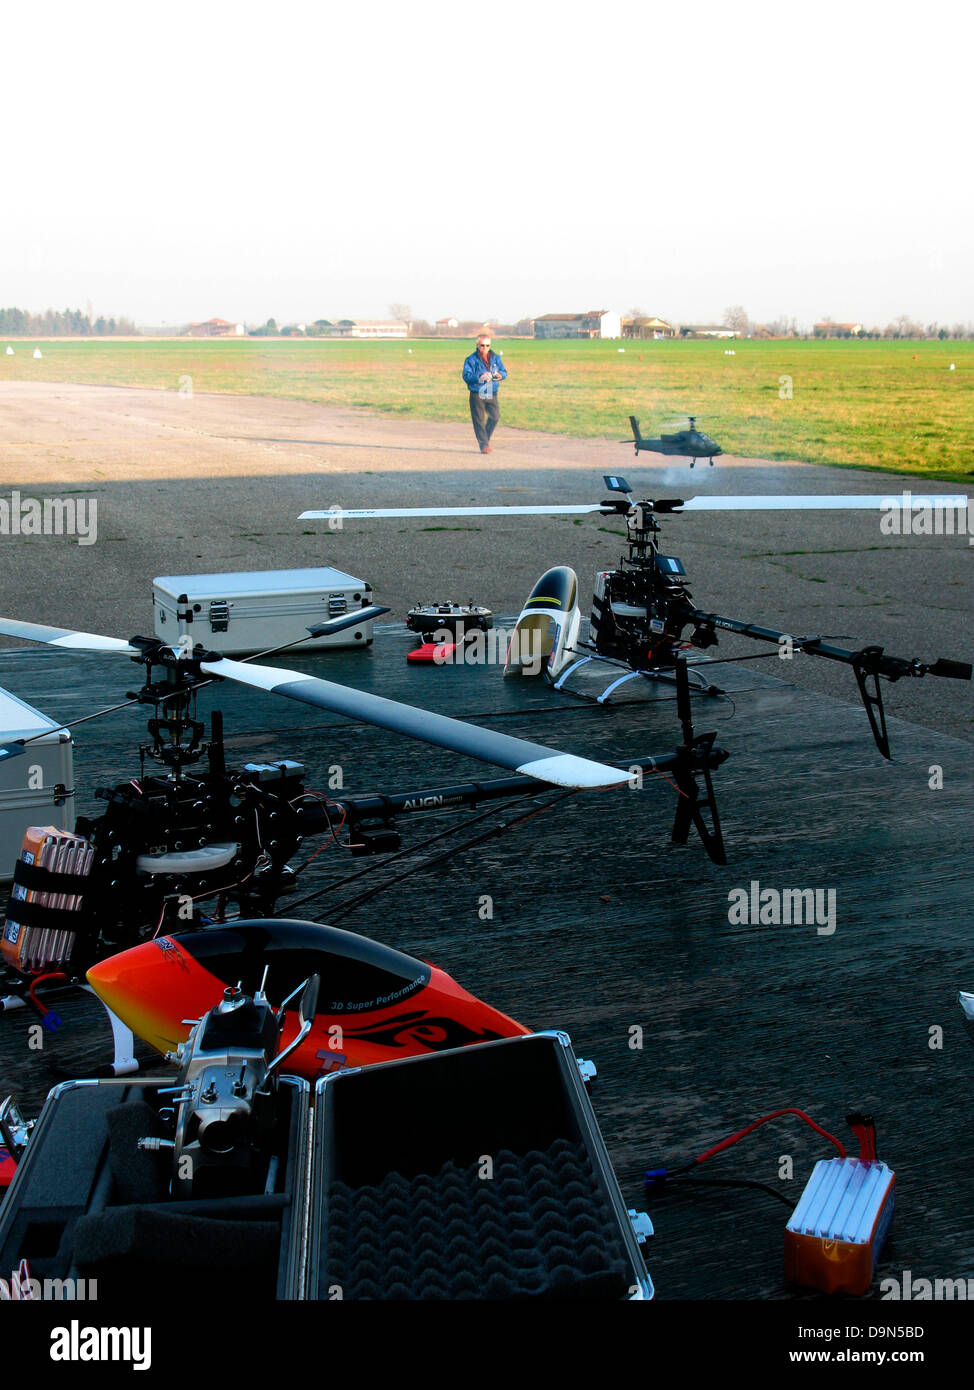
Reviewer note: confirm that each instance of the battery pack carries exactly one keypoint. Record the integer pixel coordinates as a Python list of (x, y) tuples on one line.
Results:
[(50, 879), (836, 1231)]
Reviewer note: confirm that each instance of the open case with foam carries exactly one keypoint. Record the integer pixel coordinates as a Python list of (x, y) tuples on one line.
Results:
[(87, 1203), (475, 1173)]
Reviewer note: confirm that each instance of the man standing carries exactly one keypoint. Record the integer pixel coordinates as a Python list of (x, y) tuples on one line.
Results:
[(483, 370)]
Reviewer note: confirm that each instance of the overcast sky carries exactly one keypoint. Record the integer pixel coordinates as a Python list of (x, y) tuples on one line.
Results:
[(173, 162)]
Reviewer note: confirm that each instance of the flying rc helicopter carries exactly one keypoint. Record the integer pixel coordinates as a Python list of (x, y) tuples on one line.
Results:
[(226, 836), (642, 610), (689, 443)]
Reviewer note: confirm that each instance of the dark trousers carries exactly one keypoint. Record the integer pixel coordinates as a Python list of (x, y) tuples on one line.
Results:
[(485, 415)]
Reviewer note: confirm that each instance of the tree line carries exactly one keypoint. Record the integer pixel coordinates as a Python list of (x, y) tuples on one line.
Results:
[(736, 317), (54, 323), (20, 323)]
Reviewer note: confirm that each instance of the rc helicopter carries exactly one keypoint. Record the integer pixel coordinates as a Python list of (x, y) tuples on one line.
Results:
[(387, 1004), (689, 443), (226, 836), (234, 1167), (641, 610)]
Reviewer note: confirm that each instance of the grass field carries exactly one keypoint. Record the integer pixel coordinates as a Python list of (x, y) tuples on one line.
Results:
[(889, 405)]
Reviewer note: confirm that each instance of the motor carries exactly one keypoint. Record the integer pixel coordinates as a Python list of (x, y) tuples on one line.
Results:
[(225, 1099)]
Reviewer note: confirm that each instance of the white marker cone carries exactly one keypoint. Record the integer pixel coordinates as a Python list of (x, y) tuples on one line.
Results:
[(10, 351), (37, 352)]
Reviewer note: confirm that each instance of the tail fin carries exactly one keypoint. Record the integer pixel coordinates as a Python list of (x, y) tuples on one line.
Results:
[(635, 431)]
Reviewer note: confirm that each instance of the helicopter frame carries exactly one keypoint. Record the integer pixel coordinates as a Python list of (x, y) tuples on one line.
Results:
[(641, 610), (153, 845)]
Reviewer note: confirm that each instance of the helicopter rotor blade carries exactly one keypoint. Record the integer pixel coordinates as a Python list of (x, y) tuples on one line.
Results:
[(66, 637), (713, 503), (518, 755), (848, 502), (333, 625), (382, 513)]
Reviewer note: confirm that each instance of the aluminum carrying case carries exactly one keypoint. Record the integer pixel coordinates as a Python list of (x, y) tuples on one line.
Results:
[(85, 1205), (38, 788), (473, 1173), (255, 610)]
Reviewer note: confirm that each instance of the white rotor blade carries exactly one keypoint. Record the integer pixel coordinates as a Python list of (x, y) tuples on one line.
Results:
[(756, 503), (371, 513), (529, 759), (65, 637), (850, 502), (516, 754)]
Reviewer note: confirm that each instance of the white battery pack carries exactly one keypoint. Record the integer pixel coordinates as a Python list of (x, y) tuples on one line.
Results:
[(836, 1231), (36, 788), (253, 611)]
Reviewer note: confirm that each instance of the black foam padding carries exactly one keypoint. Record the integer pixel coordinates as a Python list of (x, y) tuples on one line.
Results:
[(154, 1236), (138, 1176), (65, 1155), (540, 1227)]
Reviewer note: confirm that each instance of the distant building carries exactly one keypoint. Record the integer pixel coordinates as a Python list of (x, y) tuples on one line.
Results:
[(596, 323), (215, 328), (371, 328), (708, 330), (836, 330), (447, 325), (647, 327)]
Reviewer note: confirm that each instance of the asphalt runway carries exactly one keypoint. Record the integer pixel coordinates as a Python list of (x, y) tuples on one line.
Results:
[(600, 926), (216, 483)]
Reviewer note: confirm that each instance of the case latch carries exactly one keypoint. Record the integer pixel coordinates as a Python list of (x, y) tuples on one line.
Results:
[(642, 1226), (219, 615)]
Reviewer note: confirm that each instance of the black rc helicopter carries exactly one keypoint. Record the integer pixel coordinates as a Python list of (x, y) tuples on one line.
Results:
[(689, 443), (223, 838), (643, 617)]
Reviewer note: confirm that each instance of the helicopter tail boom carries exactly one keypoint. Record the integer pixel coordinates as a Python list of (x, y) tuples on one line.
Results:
[(868, 664)]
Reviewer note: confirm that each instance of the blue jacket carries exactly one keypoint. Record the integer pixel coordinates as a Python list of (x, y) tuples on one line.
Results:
[(474, 367)]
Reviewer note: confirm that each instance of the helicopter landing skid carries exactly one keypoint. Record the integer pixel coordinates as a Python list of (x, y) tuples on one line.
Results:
[(123, 1062), (123, 1039), (701, 683)]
